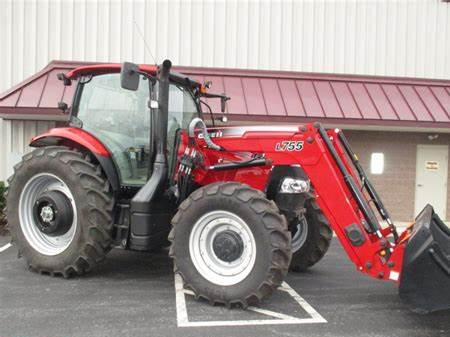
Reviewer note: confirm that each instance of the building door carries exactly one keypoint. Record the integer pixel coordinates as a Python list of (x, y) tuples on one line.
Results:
[(431, 178)]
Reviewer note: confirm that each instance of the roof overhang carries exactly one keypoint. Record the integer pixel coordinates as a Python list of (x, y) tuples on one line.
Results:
[(349, 124), (347, 101)]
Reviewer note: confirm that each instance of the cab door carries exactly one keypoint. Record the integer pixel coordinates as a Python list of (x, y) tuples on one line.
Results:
[(121, 120)]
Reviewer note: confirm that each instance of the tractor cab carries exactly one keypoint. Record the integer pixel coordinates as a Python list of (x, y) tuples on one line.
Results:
[(123, 120), (137, 113)]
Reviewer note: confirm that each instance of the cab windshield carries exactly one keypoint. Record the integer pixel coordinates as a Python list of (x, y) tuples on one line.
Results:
[(121, 119)]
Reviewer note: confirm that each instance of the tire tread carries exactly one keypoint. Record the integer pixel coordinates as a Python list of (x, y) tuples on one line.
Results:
[(95, 248), (256, 200)]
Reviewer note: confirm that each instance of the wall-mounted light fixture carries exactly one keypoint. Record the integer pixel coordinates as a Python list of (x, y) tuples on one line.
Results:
[(377, 163)]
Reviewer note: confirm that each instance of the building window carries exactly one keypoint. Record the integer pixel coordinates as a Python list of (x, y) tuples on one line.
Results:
[(377, 163)]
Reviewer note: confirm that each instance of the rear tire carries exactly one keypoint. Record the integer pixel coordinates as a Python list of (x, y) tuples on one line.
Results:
[(47, 172), (316, 241), (246, 271)]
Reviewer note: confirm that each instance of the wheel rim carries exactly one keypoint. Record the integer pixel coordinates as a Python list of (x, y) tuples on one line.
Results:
[(222, 248), (300, 235), (45, 244)]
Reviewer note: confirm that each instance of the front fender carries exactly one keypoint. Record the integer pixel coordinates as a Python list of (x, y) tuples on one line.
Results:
[(80, 138)]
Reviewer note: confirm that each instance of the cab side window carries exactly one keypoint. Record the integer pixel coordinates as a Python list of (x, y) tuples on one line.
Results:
[(120, 118)]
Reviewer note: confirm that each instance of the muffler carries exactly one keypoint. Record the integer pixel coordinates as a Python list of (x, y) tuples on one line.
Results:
[(425, 277)]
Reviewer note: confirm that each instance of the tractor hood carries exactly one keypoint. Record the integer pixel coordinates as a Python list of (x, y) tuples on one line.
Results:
[(255, 139), (243, 131)]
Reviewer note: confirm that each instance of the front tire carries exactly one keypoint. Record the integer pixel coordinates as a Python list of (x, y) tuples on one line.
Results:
[(230, 244), (59, 211)]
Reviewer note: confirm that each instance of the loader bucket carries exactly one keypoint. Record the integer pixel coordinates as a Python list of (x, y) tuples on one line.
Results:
[(425, 277)]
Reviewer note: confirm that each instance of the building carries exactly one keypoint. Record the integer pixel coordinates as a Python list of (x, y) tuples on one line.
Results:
[(399, 126)]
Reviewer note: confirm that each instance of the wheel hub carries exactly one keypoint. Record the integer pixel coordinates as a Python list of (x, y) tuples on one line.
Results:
[(53, 212), (47, 214), (228, 246), (222, 248)]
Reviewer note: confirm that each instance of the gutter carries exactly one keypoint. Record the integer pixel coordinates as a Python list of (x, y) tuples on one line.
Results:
[(35, 117)]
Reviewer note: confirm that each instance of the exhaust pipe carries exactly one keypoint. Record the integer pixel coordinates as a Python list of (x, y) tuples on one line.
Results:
[(145, 219), (162, 116), (142, 199)]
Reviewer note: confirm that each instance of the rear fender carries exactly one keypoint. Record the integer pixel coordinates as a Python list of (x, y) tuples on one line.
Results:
[(81, 139)]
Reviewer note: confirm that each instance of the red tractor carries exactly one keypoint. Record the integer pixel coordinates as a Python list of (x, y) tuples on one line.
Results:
[(137, 167)]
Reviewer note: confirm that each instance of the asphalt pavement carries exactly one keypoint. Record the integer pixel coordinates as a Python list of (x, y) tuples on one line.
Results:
[(133, 294)]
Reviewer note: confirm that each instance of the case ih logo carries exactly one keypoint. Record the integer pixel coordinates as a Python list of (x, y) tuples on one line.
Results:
[(289, 145), (217, 134)]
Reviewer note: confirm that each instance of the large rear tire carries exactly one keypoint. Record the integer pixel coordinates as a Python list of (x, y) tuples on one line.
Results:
[(230, 244), (311, 238), (59, 211)]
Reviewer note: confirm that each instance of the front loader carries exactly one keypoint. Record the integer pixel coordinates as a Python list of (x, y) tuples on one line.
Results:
[(137, 168)]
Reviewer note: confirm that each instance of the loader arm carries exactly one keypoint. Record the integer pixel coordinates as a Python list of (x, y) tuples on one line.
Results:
[(339, 193), (345, 195)]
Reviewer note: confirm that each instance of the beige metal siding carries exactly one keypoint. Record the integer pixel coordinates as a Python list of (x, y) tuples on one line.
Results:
[(399, 38), (15, 136)]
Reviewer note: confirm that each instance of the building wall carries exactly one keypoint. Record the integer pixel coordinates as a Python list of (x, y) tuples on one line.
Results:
[(397, 184), (398, 38), (15, 136)]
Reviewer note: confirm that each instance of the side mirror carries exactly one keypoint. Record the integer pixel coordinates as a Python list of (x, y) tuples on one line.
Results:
[(129, 76)]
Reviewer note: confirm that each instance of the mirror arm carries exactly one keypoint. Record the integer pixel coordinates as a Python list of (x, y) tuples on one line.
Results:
[(208, 95), (154, 79)]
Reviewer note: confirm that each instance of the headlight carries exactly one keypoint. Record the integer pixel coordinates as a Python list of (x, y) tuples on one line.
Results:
[(292, 185)]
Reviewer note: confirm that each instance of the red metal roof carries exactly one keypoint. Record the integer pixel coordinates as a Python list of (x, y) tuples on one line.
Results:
[(276, 96)]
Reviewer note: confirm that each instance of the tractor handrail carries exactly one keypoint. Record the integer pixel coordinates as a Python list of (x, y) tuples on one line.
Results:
[(236, 165)]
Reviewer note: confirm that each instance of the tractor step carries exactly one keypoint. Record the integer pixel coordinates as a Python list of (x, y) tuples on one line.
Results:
[(425, 280)]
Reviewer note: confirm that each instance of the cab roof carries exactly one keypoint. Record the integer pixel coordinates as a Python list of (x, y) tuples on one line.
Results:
[(109, 68)]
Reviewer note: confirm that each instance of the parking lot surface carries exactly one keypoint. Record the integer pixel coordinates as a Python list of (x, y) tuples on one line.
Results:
[(134, 294)]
